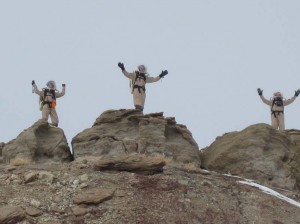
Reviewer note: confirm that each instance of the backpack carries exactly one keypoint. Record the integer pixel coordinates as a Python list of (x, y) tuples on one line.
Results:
[(278, 101), (42, 102), (138, 75)]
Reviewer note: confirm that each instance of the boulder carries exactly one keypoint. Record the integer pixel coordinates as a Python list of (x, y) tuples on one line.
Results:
[(31, 211), (93, 196), (80, 211), (120, 132), (135, 163), (39, 143), (258, 152), (11, 214)]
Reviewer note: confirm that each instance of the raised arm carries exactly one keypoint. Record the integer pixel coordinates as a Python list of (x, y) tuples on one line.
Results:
[(36, 90), (62, 93), (152, 79), (260, 93), (127, 74), (289, 101), (268, 102), (155, 79)]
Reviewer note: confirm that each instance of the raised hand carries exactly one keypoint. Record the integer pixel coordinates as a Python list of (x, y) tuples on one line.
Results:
[(163, 73), (121, 65), (260, 91)]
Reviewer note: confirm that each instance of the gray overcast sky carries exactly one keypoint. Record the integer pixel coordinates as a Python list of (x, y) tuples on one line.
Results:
[(217, 53)]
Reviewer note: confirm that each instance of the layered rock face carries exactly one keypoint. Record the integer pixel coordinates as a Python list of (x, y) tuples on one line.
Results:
[(120, 132), (258, 152), (39, 143)]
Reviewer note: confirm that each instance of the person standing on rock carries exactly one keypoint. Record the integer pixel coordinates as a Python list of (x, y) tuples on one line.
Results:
[(277, 104), (139, 78), (48, 98)]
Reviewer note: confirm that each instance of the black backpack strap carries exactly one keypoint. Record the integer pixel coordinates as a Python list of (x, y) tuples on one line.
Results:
[(139, 75), (139, 88), (45, 93), (136, 76), (52, 91), (273, 102)]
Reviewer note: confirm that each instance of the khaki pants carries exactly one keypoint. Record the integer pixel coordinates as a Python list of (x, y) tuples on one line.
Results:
[(278, 121), (139, 98), (49, 111)]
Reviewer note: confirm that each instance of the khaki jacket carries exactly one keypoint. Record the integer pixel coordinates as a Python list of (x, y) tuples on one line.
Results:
[(275, 107), (140, 82), (49, 98)]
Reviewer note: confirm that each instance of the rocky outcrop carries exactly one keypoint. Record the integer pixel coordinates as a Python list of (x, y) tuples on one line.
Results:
[(11, 214), (39, 143), (108, 182), (258, 152), (121, 132)]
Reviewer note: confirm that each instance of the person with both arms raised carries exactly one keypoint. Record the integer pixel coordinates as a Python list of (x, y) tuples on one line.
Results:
[(277, 104), (48, 98), (139, 78)]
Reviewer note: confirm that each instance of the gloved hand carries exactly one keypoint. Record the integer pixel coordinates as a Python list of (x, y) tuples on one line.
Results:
[(297, 92), (260, 91), (33, 82), (163, 73), (63, 85), (121, 65)]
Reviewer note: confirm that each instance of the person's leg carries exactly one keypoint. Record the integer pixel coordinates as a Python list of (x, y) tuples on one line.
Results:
[(45, 113), (138, 99), (54, 117), (143, 99), (281, 121), (274, 120)]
